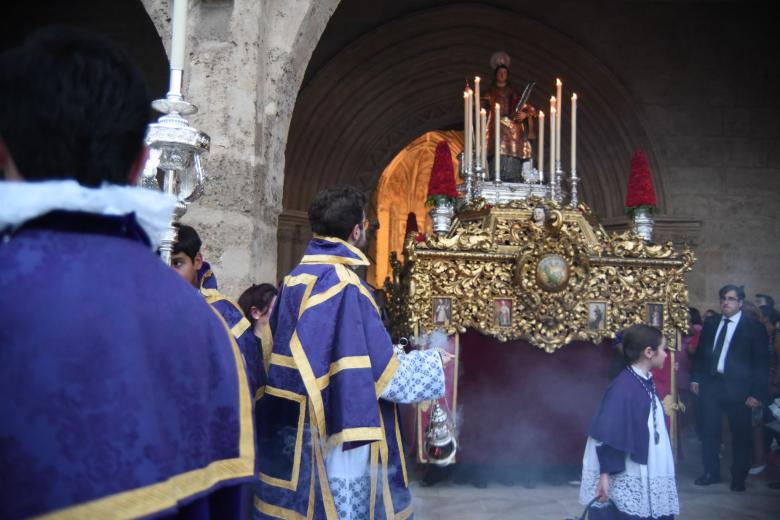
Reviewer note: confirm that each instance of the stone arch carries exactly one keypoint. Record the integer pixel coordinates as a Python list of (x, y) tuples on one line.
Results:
[(245, 64), (405, 78)]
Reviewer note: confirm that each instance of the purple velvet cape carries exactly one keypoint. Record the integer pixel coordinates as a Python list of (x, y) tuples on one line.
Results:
[(621, 422), (331, 359), (122, 390), (241, 329)]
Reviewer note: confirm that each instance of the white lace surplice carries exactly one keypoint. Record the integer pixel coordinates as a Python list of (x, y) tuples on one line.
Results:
[(647, 491), (419, 377)]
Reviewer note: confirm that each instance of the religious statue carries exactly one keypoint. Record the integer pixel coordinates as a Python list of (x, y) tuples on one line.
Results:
[(516, 124)]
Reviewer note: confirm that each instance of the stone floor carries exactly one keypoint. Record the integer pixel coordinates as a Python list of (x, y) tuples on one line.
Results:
[(450, 501)]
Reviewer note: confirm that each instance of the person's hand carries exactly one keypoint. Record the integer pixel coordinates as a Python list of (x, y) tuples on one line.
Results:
[(602, 490), (695, 388), (446, 357), (752, 402)]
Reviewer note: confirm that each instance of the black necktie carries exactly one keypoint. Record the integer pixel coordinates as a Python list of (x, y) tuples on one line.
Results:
[(719, 346)]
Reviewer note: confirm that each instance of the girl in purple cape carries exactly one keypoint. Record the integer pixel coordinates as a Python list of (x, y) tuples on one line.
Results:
[(628, 456)]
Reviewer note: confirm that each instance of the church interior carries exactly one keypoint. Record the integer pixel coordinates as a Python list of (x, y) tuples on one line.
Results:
[(302, 95)]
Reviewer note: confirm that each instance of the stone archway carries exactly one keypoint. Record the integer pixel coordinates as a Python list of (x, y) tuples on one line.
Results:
[(405, 78), (246, 62)]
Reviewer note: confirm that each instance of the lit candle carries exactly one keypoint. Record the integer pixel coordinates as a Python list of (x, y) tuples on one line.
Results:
[(497, 139), (178, 34), (465, 123), (553, 110), (559, 113), (477, 121), (483, 138), (540, 161), (469, 130), (573, 132), (552, 141)]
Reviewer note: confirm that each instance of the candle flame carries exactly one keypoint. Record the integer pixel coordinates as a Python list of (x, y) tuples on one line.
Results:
[(541, 115), (558, 82), (552, 110), (552, 99), (483, 111), (476, 79), (574, 96), (465, 94)]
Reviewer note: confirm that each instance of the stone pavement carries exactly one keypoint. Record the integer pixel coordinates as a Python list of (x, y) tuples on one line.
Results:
[(446, 500)]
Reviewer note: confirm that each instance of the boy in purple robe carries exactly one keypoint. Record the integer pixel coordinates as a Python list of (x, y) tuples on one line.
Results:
[(187, 260), (328, 420), (124, 394), (628, 456)]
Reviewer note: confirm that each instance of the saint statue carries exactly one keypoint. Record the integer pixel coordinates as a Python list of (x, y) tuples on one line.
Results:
[(516, 125)]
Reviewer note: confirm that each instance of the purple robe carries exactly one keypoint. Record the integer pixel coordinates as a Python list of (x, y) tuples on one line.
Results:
[(122, 390), (332, 358)]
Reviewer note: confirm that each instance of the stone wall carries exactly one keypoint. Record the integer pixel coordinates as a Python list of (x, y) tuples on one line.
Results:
[(246, 60)]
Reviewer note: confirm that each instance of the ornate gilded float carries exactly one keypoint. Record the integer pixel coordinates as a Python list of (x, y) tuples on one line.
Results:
[(550, 279)]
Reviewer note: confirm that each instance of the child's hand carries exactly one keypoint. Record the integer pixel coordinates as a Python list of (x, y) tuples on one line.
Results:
[(602, 490)]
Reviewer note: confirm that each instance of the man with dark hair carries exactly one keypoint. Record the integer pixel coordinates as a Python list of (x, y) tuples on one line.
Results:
[(123, 393), (187, 260), (730, 376), (333, 381)]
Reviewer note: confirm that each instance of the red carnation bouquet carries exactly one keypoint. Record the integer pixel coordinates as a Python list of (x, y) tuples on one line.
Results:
[(640, 193), (441, 186)]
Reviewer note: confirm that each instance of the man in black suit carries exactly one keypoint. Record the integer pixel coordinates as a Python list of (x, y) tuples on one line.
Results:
[(729, 375)]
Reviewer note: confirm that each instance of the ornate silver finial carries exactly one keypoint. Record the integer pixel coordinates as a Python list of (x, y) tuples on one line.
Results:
[(175, 147)]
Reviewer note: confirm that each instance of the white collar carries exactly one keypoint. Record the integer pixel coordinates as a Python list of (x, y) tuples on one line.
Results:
[(24, 201), (642, 374), (733, 319)]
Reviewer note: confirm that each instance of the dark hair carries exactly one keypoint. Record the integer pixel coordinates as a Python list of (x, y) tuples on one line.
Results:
[(638, 337), (187, 241), (495, 71), (694, 315), (73, 107), (737, 289), (769, 300), (259, 296), (770, 313), (335, 212)]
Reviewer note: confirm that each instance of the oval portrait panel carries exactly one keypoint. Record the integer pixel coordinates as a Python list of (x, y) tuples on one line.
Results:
[(552, 272)]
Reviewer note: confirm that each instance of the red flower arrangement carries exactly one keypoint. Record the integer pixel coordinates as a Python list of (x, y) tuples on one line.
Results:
[(441, 186), (419, 237), (640, 193)]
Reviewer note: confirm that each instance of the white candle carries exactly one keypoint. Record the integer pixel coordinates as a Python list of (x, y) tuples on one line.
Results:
[(477, 121), (540, 161), (552, 143), (573, 132), (178, 33), (469, 131), (559, 113), (483, 138), (553, 110), (497, 140), (465, 125)]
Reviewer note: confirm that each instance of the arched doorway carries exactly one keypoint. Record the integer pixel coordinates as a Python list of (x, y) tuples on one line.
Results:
[(401, 190), (405, 78)]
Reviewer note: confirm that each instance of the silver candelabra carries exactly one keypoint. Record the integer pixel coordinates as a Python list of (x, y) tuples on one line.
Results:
[(175, 148)]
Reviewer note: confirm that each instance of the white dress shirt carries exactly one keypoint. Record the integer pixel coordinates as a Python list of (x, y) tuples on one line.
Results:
[(732, 326)]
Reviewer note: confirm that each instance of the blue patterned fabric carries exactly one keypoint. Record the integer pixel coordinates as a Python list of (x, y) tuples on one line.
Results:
[(331, 359), (122, 391)]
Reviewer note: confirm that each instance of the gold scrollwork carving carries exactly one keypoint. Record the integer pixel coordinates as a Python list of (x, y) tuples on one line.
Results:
[(555, 270)]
